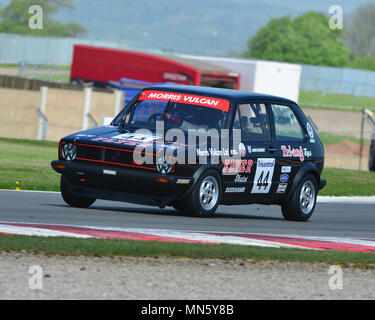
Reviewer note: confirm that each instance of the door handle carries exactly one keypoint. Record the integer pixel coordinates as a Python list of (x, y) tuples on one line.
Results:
[(271, 149)]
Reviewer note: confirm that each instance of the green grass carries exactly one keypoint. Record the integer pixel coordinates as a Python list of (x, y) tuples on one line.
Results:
[(343, 182), (25, 164), (45, 66), (139, 248), (60, 78), (335, 101), (329, 139)]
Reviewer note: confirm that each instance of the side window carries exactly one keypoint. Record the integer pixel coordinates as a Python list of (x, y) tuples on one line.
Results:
[(253, 120), (287, 126)]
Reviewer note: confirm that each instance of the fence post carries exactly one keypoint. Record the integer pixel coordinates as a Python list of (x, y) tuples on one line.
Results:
[(119, 102), (43, 121), (86, 110), (361, 148)]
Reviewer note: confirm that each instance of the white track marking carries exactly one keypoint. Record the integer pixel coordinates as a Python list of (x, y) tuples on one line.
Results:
[(221, 237), (30, 231)]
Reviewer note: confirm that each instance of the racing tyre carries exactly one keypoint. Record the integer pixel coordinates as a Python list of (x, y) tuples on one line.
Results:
[(73, 200), (204, 198), (301, 204), (371, 160)]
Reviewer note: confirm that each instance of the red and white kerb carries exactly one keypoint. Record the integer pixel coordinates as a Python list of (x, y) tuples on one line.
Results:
[(210, 102)]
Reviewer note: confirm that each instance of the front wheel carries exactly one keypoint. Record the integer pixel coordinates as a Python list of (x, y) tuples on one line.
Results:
[(71, 199), (302, 203), (204, 198)]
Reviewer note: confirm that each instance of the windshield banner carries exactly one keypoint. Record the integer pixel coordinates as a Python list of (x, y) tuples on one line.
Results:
[(187, 98)]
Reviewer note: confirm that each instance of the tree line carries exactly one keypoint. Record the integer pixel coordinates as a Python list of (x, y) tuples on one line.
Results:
[(14, 18), (307, 39)]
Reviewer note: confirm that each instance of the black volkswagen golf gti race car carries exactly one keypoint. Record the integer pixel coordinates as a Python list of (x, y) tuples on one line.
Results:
[(195, 148)]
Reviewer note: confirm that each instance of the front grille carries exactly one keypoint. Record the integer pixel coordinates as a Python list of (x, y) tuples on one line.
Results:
[(90, 153), (109, 156)]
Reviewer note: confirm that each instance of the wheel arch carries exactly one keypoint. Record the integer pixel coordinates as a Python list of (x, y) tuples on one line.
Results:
[(307, 168), (197, 173)]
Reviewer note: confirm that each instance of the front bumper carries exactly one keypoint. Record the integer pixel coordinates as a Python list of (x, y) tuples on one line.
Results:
[(122, 184)]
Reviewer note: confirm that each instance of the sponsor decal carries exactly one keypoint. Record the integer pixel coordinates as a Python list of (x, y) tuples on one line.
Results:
[(286, 169), (237, 166), (307, 153), (242, 149), (310, 132), (240, 179), (288, 152), (110, 172), (263, 175), (255, 150), (123, 142), (202, 153), (234, 189), (136, 137), (211, 102), (281, 188), (183, 181), (85, 135), (212, 152), (284, 177)]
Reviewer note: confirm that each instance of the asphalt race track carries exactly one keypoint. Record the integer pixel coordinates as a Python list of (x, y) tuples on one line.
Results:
[(328, 220)]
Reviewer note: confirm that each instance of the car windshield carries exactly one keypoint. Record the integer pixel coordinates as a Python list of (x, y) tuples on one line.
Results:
[(178, 111)]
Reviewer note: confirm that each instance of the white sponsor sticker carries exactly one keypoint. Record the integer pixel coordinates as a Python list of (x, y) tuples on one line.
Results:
[(263, 175), (110, 172), (282, 187), (251, 149), (310, 130), (183, 181), (286, 169), (136, 137)]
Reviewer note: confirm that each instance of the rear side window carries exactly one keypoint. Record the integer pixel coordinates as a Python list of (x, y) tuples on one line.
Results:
[(287, 126), (253, 120)]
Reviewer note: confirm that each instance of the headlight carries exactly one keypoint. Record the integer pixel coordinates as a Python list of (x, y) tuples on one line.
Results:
[(163, 166), (69, 151)]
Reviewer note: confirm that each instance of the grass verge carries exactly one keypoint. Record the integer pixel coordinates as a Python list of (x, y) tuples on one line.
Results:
[(330, 139), (25, 164), (343, 182), (139, 248), (335, 101)]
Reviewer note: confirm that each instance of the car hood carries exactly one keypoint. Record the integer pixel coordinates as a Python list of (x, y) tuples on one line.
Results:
[(113, 137)]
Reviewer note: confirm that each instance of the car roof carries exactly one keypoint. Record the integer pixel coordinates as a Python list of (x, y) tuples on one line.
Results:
[(219, 92)]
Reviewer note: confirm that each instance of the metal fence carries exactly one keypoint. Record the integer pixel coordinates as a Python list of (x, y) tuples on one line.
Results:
[(43, 50), (337, 88)]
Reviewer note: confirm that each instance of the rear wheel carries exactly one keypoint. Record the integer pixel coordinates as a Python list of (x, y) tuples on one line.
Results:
[(302, 203), (204, 198), (73, 200)]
